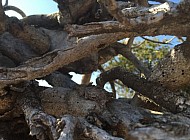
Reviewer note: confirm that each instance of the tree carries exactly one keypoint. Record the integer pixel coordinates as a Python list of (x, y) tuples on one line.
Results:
[(82, 36)]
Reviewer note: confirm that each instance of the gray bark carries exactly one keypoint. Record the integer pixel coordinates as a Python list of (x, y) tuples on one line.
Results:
[(49, 46)]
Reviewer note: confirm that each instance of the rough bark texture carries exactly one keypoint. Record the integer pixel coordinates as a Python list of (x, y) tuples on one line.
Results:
[(80, 37)]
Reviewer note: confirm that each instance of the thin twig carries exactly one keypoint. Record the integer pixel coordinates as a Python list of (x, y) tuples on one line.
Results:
[(168, 41), (6, 8), (126, 52), (154, 41), (138, 45), (6, 3), (181, 39)]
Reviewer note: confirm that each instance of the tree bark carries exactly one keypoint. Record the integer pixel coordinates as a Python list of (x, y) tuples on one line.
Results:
[(50, 46)]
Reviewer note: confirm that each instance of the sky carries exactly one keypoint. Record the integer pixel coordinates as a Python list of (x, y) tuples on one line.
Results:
[(33, 7)]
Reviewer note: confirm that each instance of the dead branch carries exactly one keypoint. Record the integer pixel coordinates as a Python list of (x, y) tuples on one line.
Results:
[(154, 41), (113, 9), (57, 79), (57, 59), (13, 8), (68, 128), (96, 133), (94, 28), (178, 60), (38, 40), (86, 79), (110, 82), (47, 21), (6, 3), (37, 120), (152, 90), (2, 18)]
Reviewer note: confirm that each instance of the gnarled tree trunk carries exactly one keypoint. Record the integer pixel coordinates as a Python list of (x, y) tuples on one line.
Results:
[(50, 46)]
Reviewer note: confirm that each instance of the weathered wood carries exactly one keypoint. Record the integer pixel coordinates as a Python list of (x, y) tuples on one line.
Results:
[(32, 49)]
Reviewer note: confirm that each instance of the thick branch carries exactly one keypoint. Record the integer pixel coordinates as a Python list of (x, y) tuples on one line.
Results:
[(37, 120), (2, 18), (95, 28), (46, 21), (68, 129), (96, 133), (42, 66), (173, 71), (37, 39), (154, 91), (113, 9), (57, 79), (143, 24)]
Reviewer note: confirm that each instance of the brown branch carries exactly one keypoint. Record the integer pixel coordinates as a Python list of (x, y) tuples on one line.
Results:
[(2, 14), (130, 42), (57, 79), (152, 90), (143, 3), (69, 11), (96, 133), (114, 26), (110, 82), (173, 70), (188, 38), (2, 18), (86, 79), (95, 28), (42, 66), (46, 21), (38, 121), (37, 39)]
